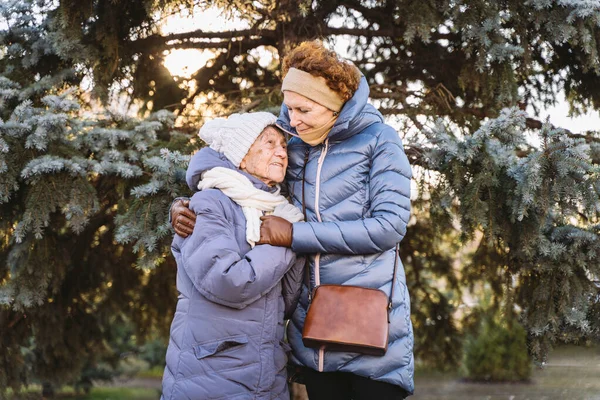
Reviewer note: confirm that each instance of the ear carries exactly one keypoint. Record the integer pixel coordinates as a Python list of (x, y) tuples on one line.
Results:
[(243, 164)]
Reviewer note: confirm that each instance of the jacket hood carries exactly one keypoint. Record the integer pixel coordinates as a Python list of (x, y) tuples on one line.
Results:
[(206, 159), (356, 115)]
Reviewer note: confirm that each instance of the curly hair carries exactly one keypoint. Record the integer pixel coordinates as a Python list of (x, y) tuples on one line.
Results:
[(342, 77)]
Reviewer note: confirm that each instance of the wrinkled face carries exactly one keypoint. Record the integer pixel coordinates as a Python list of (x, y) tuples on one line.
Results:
[(267, 158), (304, 113)]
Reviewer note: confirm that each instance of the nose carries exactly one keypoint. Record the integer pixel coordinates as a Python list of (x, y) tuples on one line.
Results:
[(281, 152), (294, 121)]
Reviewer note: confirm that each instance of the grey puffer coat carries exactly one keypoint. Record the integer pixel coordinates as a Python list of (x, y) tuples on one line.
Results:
[(227, 333), (358, 206)]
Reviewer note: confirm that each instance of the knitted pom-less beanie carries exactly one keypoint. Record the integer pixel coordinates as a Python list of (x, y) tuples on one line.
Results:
[(235, 135)]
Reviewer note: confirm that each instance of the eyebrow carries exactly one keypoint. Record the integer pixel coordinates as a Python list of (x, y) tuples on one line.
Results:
[(308, 106), (270, 133)]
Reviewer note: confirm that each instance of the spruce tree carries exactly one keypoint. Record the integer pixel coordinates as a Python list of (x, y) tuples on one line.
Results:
[(538, 210), (84, 196)]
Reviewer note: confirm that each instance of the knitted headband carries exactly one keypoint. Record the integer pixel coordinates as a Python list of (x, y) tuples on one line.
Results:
[(312, 87)]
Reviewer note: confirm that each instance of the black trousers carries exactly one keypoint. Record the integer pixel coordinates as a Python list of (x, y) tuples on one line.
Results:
[(346, 386)]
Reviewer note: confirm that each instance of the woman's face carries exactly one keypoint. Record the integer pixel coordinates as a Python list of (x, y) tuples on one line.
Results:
[(304, 113), (267, 158)]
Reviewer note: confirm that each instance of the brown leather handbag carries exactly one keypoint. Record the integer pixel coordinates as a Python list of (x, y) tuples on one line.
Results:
[(347, 318)]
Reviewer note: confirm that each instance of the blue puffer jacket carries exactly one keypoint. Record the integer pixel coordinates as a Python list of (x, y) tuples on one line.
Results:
[(227, 333), (358, 185)]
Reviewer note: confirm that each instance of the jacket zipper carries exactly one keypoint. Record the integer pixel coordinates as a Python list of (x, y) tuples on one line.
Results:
[(321, 355)]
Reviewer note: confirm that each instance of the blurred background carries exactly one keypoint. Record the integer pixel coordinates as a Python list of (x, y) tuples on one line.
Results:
[(497, 105)]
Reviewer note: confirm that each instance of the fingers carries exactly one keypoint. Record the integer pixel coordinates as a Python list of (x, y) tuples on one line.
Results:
[(184, 224), (181, 209), (182, 230), (187, 216), (177, 208), (181, 233), (183, 219)]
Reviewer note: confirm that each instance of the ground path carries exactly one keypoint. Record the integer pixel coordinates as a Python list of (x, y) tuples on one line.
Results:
[(572, 373)]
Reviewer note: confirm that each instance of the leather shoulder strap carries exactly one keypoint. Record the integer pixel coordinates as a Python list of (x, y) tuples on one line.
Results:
[(306, 153), (397, 255), (306, 262)]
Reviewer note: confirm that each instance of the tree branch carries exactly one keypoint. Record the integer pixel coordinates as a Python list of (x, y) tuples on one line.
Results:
[(154, 41), (384, 32), (389, 32), (224, 44), (533, 123), (199, 33)]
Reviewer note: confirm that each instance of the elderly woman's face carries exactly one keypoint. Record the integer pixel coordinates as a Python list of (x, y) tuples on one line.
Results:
[(267, 158), (304, 113)]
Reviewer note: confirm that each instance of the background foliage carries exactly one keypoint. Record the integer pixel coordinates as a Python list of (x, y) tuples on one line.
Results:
[(504, 201)]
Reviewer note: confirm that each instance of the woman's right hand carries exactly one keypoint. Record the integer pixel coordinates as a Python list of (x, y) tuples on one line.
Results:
[(183, 219)]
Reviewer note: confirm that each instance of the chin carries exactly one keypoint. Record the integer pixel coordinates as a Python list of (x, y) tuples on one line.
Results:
[(278, 178)]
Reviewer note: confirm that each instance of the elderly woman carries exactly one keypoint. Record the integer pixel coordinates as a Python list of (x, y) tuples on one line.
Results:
[(349, 170), (227, 334)]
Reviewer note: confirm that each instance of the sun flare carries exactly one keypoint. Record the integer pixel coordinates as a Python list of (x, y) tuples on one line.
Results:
[(185, 62)]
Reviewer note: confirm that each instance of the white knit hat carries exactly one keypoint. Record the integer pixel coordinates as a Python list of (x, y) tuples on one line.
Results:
[(234, 136)]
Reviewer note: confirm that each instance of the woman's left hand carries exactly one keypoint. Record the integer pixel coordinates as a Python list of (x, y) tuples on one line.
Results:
[(275, 231)]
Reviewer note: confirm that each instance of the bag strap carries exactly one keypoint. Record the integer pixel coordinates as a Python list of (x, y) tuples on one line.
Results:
[(396, 255), (306, 153), (307, 263)]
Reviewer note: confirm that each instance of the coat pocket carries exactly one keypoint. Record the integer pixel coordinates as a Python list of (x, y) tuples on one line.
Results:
[(209, 349), (217, 356), (223, 368)]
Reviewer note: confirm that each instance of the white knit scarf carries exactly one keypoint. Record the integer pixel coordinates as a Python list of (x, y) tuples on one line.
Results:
[(254, 202)]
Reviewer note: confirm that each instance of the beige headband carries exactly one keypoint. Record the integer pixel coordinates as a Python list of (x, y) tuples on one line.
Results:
[(312, 87)]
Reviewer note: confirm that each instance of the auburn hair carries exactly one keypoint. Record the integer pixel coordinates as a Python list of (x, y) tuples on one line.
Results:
[(342, 77)]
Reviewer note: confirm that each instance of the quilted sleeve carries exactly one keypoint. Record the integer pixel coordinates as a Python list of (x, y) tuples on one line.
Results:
[(292, 286), (211, 257), (389, 211)]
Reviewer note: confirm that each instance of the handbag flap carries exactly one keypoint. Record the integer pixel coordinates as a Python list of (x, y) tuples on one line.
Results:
[(349, 315)]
